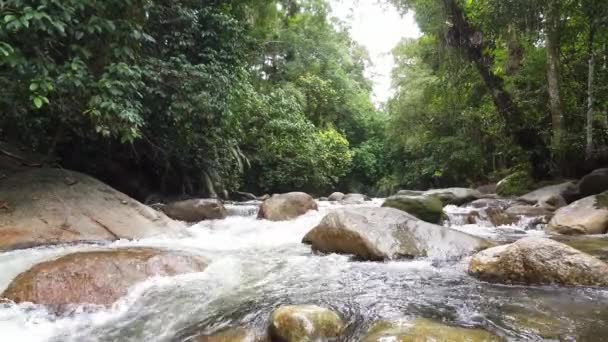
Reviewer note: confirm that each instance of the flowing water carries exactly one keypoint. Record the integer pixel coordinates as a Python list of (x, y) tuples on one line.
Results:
[(256, 265)]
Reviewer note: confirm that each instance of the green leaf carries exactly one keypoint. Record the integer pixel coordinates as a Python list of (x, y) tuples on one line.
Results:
[(9, 18), (38, 102), (33, 86)]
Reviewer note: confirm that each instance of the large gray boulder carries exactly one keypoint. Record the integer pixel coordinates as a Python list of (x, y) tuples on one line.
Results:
[(427, 208), (387, 233), (594, 183), (336, 196), (282, 207), (536, 260), (50, 206), (456, 196), (585, 216), (549, 197), (195, 210)]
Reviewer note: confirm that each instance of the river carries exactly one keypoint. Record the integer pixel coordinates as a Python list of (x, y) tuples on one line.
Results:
[(256, 265)]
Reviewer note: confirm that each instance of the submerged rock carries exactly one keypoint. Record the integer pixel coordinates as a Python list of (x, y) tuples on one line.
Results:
[(427, 208), (99, 277), (536, 260), (303, 323), (336, 196), (233, 335), (425, 330), (195, 210), (387, 233), (549, 197), (287, 206), (49, 206), (585, 216)]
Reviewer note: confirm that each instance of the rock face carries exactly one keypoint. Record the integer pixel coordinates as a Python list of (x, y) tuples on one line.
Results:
[(49, 206), (336, 196), (536, 260), (549, 197), (100, 277), (585, 216), (387, 233), (302, 323), (286, 206), (354, 199), (515, 184), (422, 330), (427, 208), (456, 196), (195, 210), (233, 335)]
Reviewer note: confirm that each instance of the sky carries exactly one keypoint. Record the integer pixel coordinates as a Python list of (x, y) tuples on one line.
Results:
[(378, 28)]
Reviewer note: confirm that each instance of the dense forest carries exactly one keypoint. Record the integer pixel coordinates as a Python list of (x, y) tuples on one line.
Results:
[(204, 98)]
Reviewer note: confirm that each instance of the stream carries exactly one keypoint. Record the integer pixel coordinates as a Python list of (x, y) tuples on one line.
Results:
[(257, 265)]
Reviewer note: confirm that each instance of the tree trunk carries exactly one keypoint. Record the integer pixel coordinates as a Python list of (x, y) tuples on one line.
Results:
[(589, 123), (462, 36), (552, 41)]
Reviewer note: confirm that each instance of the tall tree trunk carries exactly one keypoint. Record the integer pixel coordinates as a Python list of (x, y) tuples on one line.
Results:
[(552, 41), (464, 37), (591, 66)]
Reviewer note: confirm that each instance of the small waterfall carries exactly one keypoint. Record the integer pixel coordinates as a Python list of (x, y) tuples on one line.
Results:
[(244, 209)]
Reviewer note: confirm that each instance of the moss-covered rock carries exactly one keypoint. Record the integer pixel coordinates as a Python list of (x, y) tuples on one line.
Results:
[(304, 323), (423, 330), (233, 335), (516, 184), (426, 208)]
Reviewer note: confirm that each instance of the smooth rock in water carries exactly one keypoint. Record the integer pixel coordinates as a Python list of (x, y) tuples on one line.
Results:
[(455, 196), (99, 277), (233, 335), (410, 192), (516, 184), (303, 323), (427, 208), (336, 196), (491, 203), (241, 196), (425, 330), (528, 211), (354, 199), (40, 207), (549, 197), (195, 210), (387, 233), (585, 216), (535, 260), (287, 206)]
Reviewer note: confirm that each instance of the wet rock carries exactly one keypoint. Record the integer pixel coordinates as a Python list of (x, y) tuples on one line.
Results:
[(490, 203), (455, 196), (303, 323), (336, 196), (585, 216), (39, 208), (487, 189), (427, 208), (549, 197), (515, 184), (387, 233), (263, 197), (99, 277), (410, 193), (594, 183), (233, 335), (536, 260), (420, 330), (195, 210), (528, 211), (286, 206), (354, 199), (596, 246), (240, 196), (542, 325)]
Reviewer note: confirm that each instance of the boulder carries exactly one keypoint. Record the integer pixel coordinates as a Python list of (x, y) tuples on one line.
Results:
[(585, 216), (427, 208), (387, 233), (354, 199), (528, 211), (536, 260), (286, 206), (515, 184), (455, 196), (421, 329), (336, 196), (302, 323), (49, 206), (410, 192), (549, 197), (241, 196), (594, 183), (99, 277), (233, 335), (195, 210), (487, 189)]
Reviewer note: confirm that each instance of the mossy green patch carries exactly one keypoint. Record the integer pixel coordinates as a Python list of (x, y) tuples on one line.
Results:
[(516, 184)]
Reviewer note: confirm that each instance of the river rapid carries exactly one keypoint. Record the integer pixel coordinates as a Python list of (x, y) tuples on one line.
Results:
[(257, 265)]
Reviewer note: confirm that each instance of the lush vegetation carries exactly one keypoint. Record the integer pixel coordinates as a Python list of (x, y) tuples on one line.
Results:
[(207, 97)]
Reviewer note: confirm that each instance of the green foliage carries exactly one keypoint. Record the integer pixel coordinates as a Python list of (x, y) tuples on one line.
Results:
[(516, 184)]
